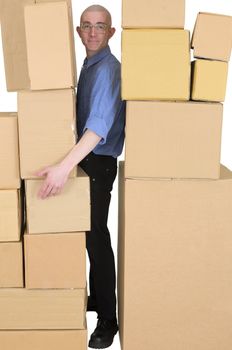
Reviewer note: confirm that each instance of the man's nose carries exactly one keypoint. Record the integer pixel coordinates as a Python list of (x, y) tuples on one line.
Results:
[(92, 31)]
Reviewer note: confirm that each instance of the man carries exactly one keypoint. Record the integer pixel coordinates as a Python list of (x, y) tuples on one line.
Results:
[(100, 125)]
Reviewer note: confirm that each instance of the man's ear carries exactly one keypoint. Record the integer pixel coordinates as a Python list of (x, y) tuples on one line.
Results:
[(78, 29), (112, 31)]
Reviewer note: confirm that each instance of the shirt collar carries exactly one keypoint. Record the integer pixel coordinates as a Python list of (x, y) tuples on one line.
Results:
[(97, 57)]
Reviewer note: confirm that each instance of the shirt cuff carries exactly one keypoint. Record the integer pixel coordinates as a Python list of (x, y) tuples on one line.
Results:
[(98, 126)]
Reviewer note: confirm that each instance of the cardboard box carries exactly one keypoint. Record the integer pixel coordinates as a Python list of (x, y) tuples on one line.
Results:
[(67, 212), (175, 248), (46, 128), (10, 215), (37, 54), (42, 309), (9, 151), (212, 36), (49, 48), (11, 265), (44, 340), (155, 64), (153, 14), (14, 44), (71, 31), (209, 79), (176, 139), (55, 260)]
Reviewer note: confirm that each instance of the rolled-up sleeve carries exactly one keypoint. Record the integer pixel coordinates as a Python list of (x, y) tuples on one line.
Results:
[(104, 101)]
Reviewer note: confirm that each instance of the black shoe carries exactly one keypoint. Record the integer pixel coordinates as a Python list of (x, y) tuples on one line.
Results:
[(104, 333), (91, 304)]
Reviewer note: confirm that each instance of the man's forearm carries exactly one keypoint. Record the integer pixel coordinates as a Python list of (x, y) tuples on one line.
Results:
[(87, 143)]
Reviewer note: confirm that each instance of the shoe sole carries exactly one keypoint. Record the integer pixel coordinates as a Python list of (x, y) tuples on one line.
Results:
[(102, 345)]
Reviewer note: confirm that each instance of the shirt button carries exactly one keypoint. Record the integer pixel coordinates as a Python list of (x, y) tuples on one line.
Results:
[(93, 179)]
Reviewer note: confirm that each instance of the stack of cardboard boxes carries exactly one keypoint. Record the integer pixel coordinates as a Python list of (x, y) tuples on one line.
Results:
[(49, 313), (175, 224), (11, 257), (211, 41)]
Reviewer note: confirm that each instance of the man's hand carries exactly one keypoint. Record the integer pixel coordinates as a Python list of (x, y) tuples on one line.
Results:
[(56, 177)]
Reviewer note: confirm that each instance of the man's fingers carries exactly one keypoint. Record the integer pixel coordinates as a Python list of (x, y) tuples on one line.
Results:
[(44, 190), (47, 192), (53, 183), (55, 190)]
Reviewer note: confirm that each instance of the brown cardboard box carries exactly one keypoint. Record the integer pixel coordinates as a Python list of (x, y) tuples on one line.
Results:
[(212, 36), (72, 47), (14, 44), (67, 212), (46, 128), (38, 54), (209, 79), (49, 48), (44, 340), (55, 260), (11, 265), (9, 151), (42, 309), (175, 248), (10, 215), (176, 139), (153, 14), (155, 64)]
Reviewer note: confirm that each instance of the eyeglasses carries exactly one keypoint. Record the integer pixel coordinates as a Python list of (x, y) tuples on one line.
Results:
[(99, 27)]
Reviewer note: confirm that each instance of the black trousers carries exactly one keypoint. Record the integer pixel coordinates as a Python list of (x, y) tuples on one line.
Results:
[(102, 171)]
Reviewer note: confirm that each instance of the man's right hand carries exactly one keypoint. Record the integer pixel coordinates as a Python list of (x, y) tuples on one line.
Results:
[(55, 179)]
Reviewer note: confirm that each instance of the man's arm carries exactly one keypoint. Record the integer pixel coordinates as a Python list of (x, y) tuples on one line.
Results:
[(56, 176)]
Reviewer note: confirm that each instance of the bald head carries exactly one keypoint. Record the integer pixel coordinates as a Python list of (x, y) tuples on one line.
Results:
[(98, 8)]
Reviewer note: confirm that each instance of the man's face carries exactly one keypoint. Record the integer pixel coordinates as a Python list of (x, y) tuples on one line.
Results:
[(94, 39)]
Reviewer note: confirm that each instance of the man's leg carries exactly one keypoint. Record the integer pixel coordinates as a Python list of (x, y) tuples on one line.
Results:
[(102, 172), (101, 256)]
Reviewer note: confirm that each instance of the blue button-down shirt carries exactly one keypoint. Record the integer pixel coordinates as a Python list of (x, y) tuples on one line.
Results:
[(99, 104)]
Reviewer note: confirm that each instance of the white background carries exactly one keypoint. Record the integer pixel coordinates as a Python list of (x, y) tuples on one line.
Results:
[(8, 100)]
